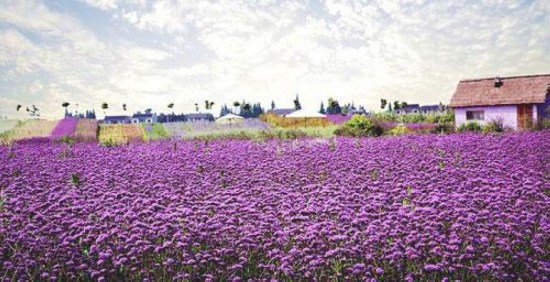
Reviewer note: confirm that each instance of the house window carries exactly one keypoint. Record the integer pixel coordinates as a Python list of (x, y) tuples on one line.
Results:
[(475, 115)]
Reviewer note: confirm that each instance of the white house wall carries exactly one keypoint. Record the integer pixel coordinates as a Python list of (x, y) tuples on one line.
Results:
[(508, 115)]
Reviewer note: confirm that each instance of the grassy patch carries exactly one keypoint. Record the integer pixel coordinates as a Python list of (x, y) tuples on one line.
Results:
[(155, 131)]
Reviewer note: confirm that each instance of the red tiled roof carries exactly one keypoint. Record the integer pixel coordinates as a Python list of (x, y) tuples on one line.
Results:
[(529, 89)]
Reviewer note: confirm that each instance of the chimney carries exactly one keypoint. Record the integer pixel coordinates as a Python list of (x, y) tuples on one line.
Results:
[(498, 82)]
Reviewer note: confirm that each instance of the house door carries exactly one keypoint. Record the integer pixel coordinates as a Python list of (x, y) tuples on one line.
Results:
[(525, 116)]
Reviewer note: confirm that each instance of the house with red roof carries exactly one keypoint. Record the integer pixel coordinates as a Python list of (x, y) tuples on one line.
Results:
[(516, 101)]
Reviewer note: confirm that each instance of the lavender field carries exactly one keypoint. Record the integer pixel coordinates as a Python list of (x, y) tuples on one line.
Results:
[(420, 207)]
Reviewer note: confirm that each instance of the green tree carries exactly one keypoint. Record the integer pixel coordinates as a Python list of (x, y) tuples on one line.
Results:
[(297, 105), (322, 109), (383, 103), (105, 107), (65, 105), (236, 104), (396, 105)]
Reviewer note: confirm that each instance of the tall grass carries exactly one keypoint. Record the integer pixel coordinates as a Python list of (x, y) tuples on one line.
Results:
[(155, 131)]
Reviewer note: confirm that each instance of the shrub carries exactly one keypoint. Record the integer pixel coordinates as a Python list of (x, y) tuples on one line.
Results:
[(470, 126), (279, 121), (543, 123), (445, 127), (360, 125), (399, 130), (496, 125)]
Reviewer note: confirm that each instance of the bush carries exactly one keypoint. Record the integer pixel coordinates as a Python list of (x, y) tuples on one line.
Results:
[(445, 127), (470, 126), (399, 130), (278, 121), (496, 125), (543, 123), (433, 117), (360, 125)]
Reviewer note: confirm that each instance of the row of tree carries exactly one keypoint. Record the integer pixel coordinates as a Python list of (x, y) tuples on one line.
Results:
[(335, 108), (33, 111), (396, 105), (244, 109)]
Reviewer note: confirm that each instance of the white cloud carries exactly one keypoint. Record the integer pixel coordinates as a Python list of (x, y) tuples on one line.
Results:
[(262, 50), (102, 4)]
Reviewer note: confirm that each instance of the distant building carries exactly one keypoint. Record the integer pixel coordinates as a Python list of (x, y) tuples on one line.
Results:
[(357, 112), (281, 112), (162, 118), (516, 101), (116, 120), (408, 109), (199, 117), (430, 109), (144, 118)]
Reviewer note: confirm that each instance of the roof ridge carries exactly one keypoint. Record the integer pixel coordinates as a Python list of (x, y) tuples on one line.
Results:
[(504, 77)]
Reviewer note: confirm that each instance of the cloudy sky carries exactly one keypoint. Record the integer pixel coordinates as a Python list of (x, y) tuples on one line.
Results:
[(150, 53)]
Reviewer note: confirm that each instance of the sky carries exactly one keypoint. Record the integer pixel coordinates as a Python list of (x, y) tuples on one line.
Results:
[(147, 54)]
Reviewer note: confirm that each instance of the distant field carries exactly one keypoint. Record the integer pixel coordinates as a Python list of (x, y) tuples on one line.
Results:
[(247, 129), (120, 133), (86, 130), (155, 131), (34, 128), (7, 124)]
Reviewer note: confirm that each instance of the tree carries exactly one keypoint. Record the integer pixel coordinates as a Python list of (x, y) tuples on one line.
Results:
[(297, 105), (65, 105), (208, 104), (333, 107), (236, 104), (148, 111), (197, 107), (272, 105), (389, 108), (345, 109), (396, 105), (124, 107), (383, 103), (322, 109), (224, 111), (34, 111), (18, 107), (170, 106), (245, 110), (257, 110), (105, 107), (404, 104)]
